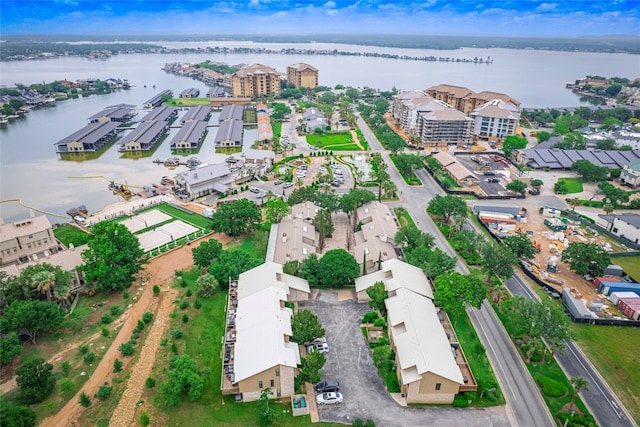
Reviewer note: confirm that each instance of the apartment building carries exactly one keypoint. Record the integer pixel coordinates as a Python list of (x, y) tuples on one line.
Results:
[(27, 240), (442, 126), (255, 80), (495, 120), (464, 99), (302, 75)]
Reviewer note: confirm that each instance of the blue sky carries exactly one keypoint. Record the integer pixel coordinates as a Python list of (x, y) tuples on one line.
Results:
[(434, 17)]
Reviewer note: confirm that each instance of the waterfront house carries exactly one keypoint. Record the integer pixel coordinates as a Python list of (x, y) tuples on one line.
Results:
[(200, 113), (121, 113), (27, 240), (190, 93), (164, 114), (90, 138), (144, 137), (230, 134), (158, 99), (231, 112), (216, 92), (205, 179), (190, 135)]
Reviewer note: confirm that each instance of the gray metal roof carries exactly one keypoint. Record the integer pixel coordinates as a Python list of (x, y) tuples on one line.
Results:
[(145, 133), (548, 143), (190, 93), (191, 132), (216, 91), (158, 98), (629, 218), (197, 113), (577, 307), (556, 158), (230, 130), (90, 134), (160, 114), (205, 173), (515, 211), (231, 112)]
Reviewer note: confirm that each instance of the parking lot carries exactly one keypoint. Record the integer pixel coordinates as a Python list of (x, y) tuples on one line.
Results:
[(499, 170), (365, 396)]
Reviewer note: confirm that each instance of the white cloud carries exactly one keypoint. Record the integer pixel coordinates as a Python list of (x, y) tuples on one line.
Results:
[(330, 4), (547, 7)]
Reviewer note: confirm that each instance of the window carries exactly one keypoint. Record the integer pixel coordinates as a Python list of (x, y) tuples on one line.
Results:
[(277, 372), (278, 393), (438, 385), (260, 384), (272, 383)]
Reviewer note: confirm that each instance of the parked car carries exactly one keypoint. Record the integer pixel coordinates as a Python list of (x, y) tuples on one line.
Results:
[(327, 386), (492, 179), (287, 185), (329, 398), (320, 347), (335, 184), (254, 190), (277, 182), (488, 173)]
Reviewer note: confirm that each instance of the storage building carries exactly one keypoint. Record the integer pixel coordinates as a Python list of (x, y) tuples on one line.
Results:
[(598, 280), (617, 296), (608, 287)]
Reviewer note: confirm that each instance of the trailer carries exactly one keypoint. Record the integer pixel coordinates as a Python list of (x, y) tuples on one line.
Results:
[(608, 287)]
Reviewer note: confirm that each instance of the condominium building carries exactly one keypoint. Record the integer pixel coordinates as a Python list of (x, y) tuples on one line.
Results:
[(302, 75), (27, 240), (256, 80), (495, 120), (464, 99), (443, 126)]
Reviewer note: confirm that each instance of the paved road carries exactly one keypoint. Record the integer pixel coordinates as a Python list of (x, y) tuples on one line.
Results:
[(526, 405), (600, 399)]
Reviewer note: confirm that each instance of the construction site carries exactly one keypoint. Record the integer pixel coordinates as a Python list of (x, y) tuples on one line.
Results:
[(612, 296)]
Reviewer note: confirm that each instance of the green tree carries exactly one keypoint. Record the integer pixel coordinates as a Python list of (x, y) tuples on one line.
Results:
[(276, 210), (536, 183), (614, 194), (433, 164), (438, 262), (183, 377), (579, 384), (231, 263), (324, 225), (408, 163), (266, 415), (34, 317), (590, 172), (355, 198), (586, 258), (236, 218), (521, 246), (113, 258), (35, 381), (558, 329), (206, 252), (207, 285), (516, 186), (85, 400), (607, 208), (573, 202), (291, 267), (12, 415), (560, 187), (381, 356), (454, 292), (338, 268), (410, 236), (542, 136), (378, 294), (44, 282), (310, 269), (513, 142), (446, 207), (310, 367), (497, 260), (305, 327), (9, 347), (302, 194), (607, 144)]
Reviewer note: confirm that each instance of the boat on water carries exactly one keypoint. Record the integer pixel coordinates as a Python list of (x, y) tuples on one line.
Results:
[(172, 161), (193, 162), (4, 120), (121, 189)]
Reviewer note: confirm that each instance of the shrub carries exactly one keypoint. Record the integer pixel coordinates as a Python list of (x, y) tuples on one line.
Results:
[(135, 335), (188, 293), (85, 400), (115, 310), (174, 348), (176, 333), (66, 385), (84, 349), (197, 304), (106, 318), (144, 419), (150, 382), (183, 282), (551, 387), (104, 391), (184, 304), (370, 316), (380, 321), (185, 318), (105, 332), (147, 317), (89, 358), (460, 401), (125, 295), (575, 420), (66, 368), (156, 290), (126, 349), (139, 326), (164, 342)]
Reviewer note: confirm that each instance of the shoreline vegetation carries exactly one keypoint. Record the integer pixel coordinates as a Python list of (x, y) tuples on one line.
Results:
[(31, 47)]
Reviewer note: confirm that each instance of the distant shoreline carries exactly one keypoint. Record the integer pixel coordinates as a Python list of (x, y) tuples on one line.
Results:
[(606, 44)]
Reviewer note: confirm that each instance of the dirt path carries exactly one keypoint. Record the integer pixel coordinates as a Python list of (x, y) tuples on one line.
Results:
[(161, 271), (355, 138)]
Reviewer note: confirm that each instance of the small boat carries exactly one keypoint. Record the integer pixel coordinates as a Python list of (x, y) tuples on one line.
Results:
[(172, 161), (4, 120), (193, 162)]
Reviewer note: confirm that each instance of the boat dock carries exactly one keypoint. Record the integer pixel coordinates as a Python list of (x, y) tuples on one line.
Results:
[(176, 161)]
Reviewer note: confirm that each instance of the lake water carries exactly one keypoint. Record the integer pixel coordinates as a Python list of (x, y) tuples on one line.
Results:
[(33, 172)]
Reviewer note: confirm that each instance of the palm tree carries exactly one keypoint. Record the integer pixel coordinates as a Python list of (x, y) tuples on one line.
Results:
[(608, 208), (44, 282), (578, 384), (270, 195), (573, 203)]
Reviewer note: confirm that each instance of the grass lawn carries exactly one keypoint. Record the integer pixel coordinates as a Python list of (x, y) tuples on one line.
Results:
[(333, 141), (411, 180), (202, 341), (277, 128), (68, 233), (631, 265), (188, 102), (403, 216), (613, 350), (478, 362), (188, 217), (574, 185)]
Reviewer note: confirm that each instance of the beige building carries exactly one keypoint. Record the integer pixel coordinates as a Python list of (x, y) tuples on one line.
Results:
[(425, 358), (455, 169), (296, 236), (302, 75), (374, 241), (263, 355), (464, 99), (27, 240), (268, 275), (495, 120), (255, 80)]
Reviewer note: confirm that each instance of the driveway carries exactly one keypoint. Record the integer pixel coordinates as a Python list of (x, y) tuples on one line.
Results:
[(365, 396)]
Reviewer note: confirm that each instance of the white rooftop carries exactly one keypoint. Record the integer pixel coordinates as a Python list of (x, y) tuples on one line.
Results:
[(397, 275), (261, 327), (268, 275)]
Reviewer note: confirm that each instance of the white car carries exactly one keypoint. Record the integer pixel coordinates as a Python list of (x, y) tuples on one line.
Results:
[(320, 347), (331, 398)]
